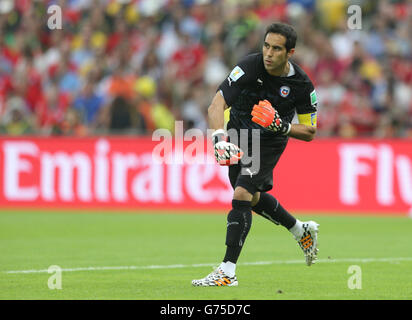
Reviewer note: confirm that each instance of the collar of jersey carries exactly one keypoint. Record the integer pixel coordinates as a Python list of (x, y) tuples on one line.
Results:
[(291, 70)]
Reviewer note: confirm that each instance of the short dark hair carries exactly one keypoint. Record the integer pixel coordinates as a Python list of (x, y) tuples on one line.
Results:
[(285, 30)]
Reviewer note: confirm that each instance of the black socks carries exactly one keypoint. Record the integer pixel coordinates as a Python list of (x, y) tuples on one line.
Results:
[(239, 221), (270, 208)]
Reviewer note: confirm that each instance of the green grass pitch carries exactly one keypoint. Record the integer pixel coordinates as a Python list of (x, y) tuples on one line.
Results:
[(117, 255)]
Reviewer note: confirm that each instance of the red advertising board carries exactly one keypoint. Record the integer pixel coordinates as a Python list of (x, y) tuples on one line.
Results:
[(360, 176)]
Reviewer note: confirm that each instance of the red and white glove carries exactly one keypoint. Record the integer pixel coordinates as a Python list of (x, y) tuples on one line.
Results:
[(266, 116), (226, 153)]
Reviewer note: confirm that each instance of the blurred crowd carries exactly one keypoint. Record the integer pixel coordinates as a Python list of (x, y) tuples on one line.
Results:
[(132, 66)]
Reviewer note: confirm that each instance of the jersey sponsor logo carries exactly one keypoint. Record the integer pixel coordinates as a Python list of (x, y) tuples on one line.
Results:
[(313, 98), (284, 91), (236, 73)]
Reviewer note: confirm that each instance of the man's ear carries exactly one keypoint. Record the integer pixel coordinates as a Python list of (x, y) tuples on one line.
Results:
[(291, 52)]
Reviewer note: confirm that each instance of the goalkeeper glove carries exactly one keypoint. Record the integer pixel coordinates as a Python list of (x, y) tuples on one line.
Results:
[(226, 153), (266, 116)]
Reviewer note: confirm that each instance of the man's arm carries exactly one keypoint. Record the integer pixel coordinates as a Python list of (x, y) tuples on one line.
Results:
[(216, 112), (226, 153), (306, 110), (302, 132)]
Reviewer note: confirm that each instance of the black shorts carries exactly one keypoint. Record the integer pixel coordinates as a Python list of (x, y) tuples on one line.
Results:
[(256, 173)]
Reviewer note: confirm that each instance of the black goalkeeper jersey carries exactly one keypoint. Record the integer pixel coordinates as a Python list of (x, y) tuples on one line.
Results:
[(249, 82)]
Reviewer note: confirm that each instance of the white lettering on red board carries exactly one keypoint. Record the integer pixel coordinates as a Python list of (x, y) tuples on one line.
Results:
[(357, 160), (105, 175)]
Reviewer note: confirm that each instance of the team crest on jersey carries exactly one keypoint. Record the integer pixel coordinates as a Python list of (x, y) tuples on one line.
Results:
[(284, 91)]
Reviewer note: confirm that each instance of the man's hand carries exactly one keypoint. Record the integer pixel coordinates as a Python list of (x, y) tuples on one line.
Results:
[(266, 116), (226, 153)]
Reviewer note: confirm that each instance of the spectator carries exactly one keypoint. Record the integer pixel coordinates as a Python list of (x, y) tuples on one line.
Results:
[(72, 125), (88, 103), (51, 109), (124, 118), (16, 119)]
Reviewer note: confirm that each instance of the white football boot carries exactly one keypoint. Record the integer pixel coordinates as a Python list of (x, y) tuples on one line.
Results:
[(308, 241), (217, 278)]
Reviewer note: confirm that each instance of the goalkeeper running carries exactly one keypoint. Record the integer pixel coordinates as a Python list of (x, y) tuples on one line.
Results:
[(264, 91)]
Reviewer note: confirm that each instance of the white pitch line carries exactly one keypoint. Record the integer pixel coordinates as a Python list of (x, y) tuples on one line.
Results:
[(178, 266)]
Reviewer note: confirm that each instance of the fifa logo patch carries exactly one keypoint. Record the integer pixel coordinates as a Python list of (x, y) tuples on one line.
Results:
[(236, 73), (284, 91)]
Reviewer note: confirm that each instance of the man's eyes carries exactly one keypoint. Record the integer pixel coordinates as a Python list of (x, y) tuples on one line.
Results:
[(267, 46)]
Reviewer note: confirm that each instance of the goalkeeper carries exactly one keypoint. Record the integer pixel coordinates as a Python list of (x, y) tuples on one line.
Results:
[(264, 91)]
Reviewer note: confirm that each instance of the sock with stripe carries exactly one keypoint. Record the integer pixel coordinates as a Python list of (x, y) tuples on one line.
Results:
[(270, 208)]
